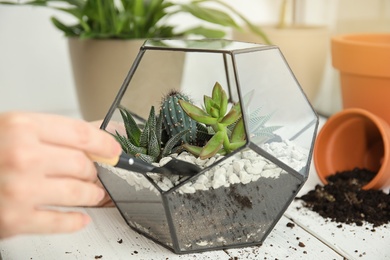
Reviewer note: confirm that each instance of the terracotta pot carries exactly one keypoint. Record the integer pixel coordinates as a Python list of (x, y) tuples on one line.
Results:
[(305, 49), (364, 64), (354, 138), (100, 67)]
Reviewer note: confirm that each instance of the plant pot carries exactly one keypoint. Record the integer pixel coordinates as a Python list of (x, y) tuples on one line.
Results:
[(354, 138), (305, 49), (99, 67), (364, 61), (236, 199)]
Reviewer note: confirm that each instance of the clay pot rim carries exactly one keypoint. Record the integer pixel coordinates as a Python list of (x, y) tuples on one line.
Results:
[(362, 54), (381, 40), (379, 123)]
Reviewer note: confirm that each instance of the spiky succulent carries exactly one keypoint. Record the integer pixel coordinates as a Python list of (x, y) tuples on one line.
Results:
[(259, 132), (145, 141), (228, 128)]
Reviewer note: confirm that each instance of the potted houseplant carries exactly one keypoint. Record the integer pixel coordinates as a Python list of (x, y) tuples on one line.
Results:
[(304, 46), (251, 133), (107, 35)]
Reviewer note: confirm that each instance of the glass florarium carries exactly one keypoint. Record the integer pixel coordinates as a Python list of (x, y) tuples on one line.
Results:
[(233, 109)]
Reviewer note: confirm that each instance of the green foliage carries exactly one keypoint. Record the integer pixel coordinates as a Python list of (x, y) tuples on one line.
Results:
[(260, 133), (228, 127), (174, 118), (145, 141), (139, 19)]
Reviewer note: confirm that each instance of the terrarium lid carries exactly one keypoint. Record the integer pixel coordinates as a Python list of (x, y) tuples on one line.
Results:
[(203, 44)]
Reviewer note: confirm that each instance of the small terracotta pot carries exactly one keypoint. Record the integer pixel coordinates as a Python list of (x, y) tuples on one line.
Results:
[(364, 64), (354, 138)]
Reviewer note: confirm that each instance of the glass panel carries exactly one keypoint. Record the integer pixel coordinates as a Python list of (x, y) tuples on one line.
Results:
[(138, 201), (238, 213), (278, 115)]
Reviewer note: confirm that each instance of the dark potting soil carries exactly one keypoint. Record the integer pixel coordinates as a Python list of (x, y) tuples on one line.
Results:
[(343, 199)]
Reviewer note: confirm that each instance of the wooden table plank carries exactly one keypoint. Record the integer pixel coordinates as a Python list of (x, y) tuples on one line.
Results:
[(100, 238), (287, 241), (350, 241), (103, 236)]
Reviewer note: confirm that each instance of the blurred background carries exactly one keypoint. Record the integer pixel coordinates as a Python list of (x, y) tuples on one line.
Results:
[(35, 69)]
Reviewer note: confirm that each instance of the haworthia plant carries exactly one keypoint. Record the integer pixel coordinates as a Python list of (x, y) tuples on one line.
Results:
[(145, 141)]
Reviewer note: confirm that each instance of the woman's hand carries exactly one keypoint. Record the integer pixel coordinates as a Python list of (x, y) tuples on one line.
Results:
[(44, 162)]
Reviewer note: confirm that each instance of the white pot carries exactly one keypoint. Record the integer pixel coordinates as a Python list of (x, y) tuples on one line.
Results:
[(305, 49)]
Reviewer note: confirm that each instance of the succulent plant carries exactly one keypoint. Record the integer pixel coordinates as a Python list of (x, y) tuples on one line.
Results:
[(145, 141), (174, 119), (260, 133), (228, 128), (257, 129)]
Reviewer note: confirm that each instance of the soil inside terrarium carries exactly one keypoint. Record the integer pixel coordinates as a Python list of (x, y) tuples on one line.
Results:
[(343, 199)]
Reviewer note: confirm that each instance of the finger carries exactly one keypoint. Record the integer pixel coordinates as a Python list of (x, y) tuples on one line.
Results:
[(59, 130), (106, 201), (67, 192), (67, 162), (51, 221)]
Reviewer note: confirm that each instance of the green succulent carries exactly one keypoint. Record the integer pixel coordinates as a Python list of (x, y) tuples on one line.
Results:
[(227, 127), (145, 141), (260, 133)]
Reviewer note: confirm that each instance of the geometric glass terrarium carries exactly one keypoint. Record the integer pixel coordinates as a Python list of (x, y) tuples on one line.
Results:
[(237, 198)]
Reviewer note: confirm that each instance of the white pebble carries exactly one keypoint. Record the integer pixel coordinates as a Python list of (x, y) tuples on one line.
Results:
[(200, 162), (274, 173), (256, 168), (210, 162), (234, 179), (218, 181), (187, 188), (164, 160), (245, 177), (238, 166)]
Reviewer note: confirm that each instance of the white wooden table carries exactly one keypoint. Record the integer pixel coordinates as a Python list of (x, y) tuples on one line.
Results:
[(109, 237)]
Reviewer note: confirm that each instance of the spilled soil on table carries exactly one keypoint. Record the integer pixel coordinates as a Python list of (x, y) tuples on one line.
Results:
[(343, 199)]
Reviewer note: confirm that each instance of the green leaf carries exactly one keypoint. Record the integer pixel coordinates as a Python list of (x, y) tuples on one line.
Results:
[(173, 141), (135, 19), (212, 146), (205, 32), (132, 129), (159, 124), (238, 133), (233, 115), (145, 158), (236, 145), (217, 93), (67, 30), (196, 113), (211, 15), (195, 150), (209, 103), (153, 145)]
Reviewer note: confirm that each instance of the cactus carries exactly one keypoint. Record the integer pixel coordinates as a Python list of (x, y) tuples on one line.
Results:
[(145, 141), (174, 118), (228, 128)]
